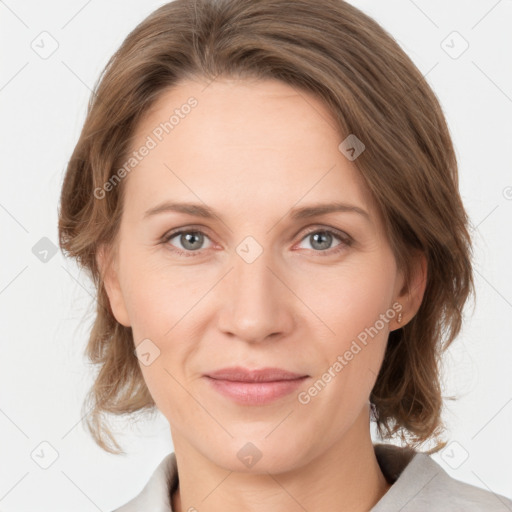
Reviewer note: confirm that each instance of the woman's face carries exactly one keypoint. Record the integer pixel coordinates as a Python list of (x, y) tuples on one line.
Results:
[(252, 281)]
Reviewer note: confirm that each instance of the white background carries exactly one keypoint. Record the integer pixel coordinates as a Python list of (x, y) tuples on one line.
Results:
[(46, 307)]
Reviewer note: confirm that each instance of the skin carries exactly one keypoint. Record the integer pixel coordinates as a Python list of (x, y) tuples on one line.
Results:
[(252, 150)]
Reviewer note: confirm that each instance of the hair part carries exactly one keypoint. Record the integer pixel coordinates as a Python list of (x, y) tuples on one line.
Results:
[(336, 52)]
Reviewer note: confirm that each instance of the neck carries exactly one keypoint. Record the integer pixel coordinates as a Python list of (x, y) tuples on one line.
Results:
[(346, 477)]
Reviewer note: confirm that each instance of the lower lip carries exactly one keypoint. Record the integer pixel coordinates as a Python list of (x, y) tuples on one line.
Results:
[(255, 393)]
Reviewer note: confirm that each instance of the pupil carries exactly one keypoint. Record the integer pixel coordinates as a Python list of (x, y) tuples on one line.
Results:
[(189, 239), (326, 239)]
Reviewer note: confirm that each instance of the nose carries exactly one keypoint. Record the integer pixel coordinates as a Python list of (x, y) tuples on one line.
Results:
[(256, 303)]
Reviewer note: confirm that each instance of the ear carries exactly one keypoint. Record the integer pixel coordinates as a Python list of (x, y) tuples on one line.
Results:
[(109, 272), (411, 296)]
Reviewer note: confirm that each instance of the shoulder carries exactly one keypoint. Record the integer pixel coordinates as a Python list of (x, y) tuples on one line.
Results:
[(155, 495), (424, 485)]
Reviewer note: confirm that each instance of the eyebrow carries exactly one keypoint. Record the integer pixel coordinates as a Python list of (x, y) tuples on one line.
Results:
[(305, 212)]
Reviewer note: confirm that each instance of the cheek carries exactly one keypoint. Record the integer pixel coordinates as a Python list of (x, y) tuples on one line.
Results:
[(155, 299), (157, 306), (352, 297), (355, 303)]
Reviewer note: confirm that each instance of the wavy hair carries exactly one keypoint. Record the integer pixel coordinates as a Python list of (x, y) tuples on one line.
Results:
[(330, 49)]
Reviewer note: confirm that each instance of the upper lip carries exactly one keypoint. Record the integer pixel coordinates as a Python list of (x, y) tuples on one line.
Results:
[(240, 374)]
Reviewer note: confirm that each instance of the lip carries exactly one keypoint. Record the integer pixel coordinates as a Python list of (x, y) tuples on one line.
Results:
[(254, 387), (241, 374)]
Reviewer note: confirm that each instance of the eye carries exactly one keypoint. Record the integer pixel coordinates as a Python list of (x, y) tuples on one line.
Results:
[(191, 241), (321, 240)]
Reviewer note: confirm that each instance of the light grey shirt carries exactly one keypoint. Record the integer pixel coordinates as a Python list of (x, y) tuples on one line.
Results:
[(419, 484)]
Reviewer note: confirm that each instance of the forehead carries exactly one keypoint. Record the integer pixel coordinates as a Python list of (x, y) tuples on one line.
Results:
[(251, 143)]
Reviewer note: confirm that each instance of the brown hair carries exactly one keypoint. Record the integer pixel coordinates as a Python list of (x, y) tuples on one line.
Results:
[(327, 48)]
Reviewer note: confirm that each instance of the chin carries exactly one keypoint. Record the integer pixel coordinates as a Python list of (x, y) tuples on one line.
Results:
[(256, 455)]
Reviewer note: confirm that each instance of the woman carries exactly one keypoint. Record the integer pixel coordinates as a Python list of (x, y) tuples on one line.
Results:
[(266, 196)]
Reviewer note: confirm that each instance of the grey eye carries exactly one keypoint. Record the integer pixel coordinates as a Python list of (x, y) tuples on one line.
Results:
[(321, 240), (188, 240)]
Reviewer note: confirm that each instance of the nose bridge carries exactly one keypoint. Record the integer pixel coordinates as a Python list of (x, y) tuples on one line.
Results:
[(254, 299)]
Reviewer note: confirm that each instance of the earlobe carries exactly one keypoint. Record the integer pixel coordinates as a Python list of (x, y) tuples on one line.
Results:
[(110, 280)]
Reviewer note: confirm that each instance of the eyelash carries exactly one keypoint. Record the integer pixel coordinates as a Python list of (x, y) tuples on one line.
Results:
[(346, 240)]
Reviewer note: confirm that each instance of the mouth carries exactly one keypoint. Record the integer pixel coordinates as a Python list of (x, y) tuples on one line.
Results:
[(254, 387)]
